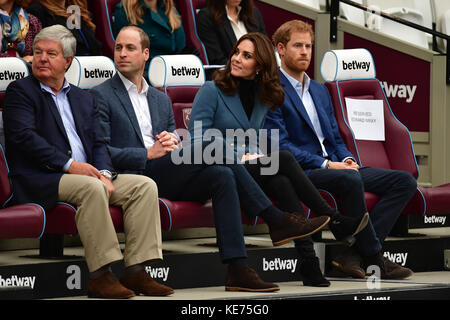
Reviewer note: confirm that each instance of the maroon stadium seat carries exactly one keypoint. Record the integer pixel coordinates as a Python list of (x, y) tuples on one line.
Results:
[(18, 221), (102, 13), (395, 152), (188, 11)]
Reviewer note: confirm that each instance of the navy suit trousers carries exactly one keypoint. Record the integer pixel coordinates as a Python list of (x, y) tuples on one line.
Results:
[(394, 187)]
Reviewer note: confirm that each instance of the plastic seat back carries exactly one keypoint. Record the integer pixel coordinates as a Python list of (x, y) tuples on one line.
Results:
[(102, 12), (188, 10)]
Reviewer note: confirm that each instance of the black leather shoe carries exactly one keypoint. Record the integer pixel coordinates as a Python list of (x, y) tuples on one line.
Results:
[(345, 228), (311, 274)]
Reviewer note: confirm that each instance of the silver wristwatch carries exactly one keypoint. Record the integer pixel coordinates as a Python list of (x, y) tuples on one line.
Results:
[(106, 174)]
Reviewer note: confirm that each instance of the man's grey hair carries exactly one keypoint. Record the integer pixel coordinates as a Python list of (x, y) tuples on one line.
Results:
[(59, 33)]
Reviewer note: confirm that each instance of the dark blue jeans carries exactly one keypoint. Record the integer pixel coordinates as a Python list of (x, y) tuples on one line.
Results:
[(395, 188)]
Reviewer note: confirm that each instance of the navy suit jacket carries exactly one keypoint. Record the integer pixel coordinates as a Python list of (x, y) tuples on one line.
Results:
[(120, 125), (37, 146), (296, 130)]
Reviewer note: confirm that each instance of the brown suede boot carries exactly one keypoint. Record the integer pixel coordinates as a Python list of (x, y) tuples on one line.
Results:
[(349, 262), (244, 278), (388, 269), (141, 283), (106, 286), (293, 226)]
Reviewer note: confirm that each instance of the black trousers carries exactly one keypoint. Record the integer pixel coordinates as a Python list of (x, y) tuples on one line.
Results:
[(288, 188)]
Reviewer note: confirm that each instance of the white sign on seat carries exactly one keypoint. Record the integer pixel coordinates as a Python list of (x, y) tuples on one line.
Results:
[(88, 71), (176, 70), (11, 69), (347, 64), (366, 118)]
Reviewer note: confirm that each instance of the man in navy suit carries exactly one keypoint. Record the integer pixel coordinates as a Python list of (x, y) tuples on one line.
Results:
[(138, 124), (56, 152), (308, 129)]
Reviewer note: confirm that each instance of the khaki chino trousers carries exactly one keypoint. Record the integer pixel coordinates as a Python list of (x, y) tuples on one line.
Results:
[(137, 196)]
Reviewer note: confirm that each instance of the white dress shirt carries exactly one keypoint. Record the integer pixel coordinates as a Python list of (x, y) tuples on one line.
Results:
[(239, 28), (141, 109)]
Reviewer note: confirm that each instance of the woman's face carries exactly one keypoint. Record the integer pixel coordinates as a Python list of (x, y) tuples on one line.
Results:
[(233, 3), (243, 62)]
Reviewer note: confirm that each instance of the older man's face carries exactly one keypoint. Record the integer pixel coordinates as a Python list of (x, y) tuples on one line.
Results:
[(49, 64)]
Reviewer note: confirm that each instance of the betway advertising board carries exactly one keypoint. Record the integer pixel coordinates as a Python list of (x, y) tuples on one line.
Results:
[(405, 80)]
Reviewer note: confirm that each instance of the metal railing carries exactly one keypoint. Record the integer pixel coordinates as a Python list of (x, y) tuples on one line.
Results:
[(333, 8)]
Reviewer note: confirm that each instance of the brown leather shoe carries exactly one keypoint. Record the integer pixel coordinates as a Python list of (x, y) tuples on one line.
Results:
[(244, 278), (349, 262), (141, 283), (293, 226), (106, 286)]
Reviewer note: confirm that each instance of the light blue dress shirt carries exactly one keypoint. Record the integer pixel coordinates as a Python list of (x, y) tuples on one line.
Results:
[(308, 102), (62, 104)]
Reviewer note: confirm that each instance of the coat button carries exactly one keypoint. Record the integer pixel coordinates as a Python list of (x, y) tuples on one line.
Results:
[(69, 153)]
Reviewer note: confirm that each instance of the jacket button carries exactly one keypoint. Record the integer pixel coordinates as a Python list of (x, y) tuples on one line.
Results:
[(69, 153)]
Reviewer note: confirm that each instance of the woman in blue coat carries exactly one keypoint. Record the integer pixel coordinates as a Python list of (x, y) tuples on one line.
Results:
[(158, 18), (239, 98)]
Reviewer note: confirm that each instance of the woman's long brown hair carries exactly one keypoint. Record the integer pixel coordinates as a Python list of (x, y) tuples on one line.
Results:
[(269, 87), (61, 10), (135, 11)]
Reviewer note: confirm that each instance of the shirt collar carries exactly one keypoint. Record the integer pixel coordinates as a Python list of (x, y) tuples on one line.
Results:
[(239, 10), (129, 85), (295, 83), (65, 88)]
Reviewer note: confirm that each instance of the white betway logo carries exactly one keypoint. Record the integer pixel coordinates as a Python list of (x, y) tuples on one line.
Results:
[(399, 258), (399, 91), (434, 219), (9, 75), (158, 273), (279, 264), (16, 281)]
